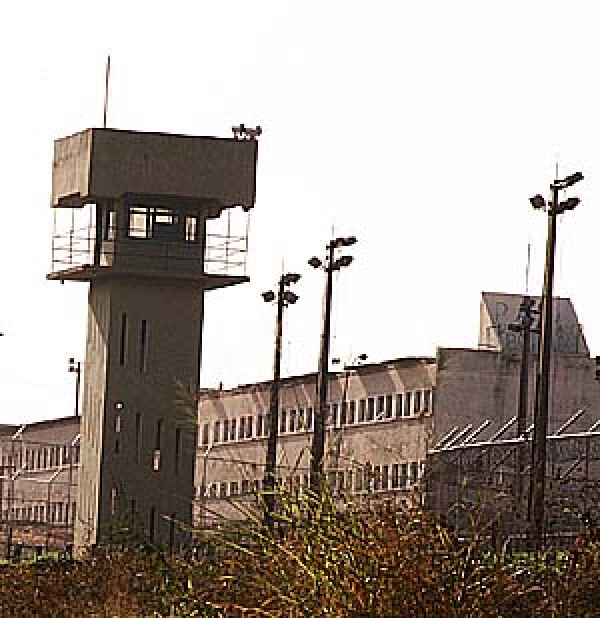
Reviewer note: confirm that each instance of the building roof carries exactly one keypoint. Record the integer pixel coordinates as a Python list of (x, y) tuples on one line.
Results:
[(403, 362)]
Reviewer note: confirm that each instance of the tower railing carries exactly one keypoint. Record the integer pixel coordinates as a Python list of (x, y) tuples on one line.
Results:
[(224, 253)]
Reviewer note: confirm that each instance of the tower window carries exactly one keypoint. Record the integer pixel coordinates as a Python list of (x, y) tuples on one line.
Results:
[(191, 228), (113, 501), (164, 216), (157, 445), (177, 449), (143, 346), (123, 340), (110, 225), (152, 529), (138, 436), (140, 224)]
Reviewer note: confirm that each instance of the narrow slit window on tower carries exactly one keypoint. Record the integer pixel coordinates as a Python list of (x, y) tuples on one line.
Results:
[(113, 501), (138, 436), (143, 346), (152, 528), (123, 340), (172, 532), (177, 450), (157, 445), (110, 225)]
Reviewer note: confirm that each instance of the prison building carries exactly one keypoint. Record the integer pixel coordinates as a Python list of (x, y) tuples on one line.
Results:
[(384, 420), (39, 466)]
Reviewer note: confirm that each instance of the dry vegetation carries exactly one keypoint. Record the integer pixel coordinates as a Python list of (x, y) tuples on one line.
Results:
[(329, 562)]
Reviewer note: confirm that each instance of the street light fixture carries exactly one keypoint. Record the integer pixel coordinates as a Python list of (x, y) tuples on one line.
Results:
[(329, 265), (284, 298), (75, 367), (538, 464)]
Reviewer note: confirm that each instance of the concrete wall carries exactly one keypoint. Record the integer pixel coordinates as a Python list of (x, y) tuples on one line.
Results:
[(108, 163), (477, 385), (138, 437), (498, 311)]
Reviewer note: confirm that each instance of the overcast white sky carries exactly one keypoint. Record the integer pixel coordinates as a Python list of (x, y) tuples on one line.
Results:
[(420, 127)]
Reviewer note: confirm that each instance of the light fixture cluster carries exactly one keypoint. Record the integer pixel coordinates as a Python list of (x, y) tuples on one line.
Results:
[(340, 262), (242, 132), (539, 203), (287, 297)]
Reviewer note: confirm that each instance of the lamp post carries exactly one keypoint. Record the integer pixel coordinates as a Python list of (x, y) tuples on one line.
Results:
[(330, 265), (538, 465), (284, 298), (75, 367)]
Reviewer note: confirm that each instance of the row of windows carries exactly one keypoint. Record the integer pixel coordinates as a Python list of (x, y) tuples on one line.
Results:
[(292, 420), (40, 457), (396, 476), (159, 223), (53, 512)]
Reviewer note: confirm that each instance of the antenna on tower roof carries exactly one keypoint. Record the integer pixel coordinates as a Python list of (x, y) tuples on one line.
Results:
[(527, 268), (106, 81)]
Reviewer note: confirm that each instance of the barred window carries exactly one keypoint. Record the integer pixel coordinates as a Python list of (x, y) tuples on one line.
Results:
[(226, 430), (399, 405), (352, 413), (389, 401), (362, 410), (282, 420), (370, 408), (407, 404)]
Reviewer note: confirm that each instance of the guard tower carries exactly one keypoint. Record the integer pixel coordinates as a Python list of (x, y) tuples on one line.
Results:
[(133, 213)]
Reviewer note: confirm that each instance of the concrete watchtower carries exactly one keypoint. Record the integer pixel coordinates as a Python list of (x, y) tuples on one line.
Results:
[(131, 212)]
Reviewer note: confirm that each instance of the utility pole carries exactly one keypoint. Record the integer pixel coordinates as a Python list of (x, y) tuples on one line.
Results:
[(538, 465), (284, 298), (330, 265), (525, 327)]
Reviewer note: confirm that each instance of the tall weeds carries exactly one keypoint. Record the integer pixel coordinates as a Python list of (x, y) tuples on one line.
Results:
[(354, 560)]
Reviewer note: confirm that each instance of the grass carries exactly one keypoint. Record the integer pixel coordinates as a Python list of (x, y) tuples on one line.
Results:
[(325, 560)]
